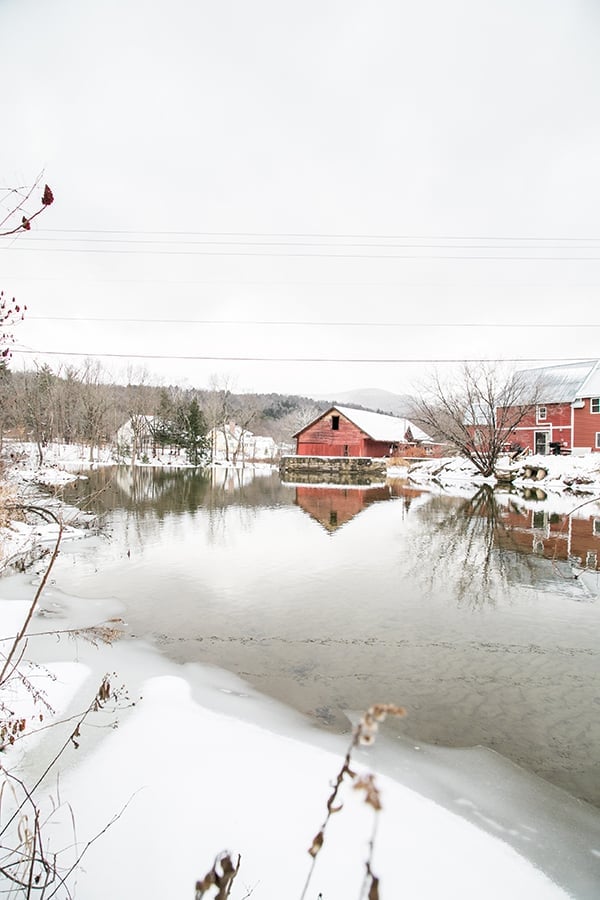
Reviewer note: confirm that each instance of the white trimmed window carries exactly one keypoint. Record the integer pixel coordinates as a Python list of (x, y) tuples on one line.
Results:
[(596, 527), (598, 440), (595, 404), (542, 413)]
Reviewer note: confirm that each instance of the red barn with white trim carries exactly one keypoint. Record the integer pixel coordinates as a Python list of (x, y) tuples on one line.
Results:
[(342, 431), (566, 417)]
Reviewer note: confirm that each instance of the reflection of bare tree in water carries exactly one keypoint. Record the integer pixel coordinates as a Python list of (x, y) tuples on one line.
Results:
[(468, 549), (157, 493)]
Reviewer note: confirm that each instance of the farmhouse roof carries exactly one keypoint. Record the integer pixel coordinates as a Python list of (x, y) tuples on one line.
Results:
[(377, 426), (565, 383)]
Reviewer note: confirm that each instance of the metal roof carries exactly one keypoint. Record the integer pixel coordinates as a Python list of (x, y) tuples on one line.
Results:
[(591, 386), (377, 426), (562, 383)]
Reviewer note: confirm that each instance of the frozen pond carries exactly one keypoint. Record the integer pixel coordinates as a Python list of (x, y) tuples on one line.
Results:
[(463, 609)]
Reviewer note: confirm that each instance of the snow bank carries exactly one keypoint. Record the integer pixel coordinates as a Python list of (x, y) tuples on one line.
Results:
[(572, 474), (208, 782), (196, 780), (203, 764)]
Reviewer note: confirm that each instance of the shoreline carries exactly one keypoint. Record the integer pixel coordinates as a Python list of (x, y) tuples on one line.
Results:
[(231, 728)]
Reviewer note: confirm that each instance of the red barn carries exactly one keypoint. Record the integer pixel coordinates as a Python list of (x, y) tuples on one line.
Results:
[(566, 417), (342, 431)]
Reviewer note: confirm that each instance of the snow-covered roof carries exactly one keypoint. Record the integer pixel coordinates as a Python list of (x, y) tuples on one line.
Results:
[(591, 386), (378, 426), (564, 383)]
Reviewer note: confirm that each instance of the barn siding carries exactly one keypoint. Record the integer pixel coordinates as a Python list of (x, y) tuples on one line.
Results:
[(320, 439), (557, 423), (587, 424)]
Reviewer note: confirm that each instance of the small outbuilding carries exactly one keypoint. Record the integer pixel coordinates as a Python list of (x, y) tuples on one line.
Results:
[(342, 431)]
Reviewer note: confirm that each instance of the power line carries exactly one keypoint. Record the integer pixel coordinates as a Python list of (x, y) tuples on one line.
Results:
[(317, 244), (312, 234), (295, 359), (303, 283), (310, 324), (23, 248)]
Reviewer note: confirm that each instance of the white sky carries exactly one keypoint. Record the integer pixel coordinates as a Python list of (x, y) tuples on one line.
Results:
[(203, 155)]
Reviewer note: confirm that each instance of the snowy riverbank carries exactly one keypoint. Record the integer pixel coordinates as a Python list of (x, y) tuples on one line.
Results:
[(566, 474), (203, 763)]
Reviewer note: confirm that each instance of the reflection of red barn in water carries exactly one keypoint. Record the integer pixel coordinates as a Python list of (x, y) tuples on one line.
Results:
[(552, 535), (332, 507)]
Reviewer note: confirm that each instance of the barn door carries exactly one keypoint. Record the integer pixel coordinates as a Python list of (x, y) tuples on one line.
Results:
[(541, 442)]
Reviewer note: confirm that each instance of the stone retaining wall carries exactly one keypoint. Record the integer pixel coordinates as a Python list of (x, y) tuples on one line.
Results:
[(348, 469)]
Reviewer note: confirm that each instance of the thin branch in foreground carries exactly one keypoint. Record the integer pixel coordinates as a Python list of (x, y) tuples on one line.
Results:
[(89, 844), (38, 593)]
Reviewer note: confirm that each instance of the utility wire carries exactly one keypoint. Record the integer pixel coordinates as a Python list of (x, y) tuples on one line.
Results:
[(295, 359), (27, 248), (309, 234), (306, 283), (307, 243), (310, 324)]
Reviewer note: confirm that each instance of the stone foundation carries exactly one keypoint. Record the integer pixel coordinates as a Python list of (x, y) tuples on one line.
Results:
[(337, 469)]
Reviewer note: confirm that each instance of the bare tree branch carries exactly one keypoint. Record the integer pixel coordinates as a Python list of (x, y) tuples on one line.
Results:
[(478, 412)]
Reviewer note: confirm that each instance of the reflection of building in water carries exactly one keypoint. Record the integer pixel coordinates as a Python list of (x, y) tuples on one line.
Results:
[(550, 534), (333, 506)]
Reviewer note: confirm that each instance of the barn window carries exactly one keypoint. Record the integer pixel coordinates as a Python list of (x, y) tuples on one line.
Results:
[(335, 423), (595, 405), (541, 413), (596, 527), (591, 559), (598, 440)]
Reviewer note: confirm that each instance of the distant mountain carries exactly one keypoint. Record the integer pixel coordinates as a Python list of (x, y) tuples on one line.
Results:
[(372, 398)]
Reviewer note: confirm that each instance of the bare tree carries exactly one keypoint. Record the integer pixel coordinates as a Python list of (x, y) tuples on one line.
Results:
[(478, 411), (8, 401), (220, 409), (67, 405), (38, 403), (94, 404)]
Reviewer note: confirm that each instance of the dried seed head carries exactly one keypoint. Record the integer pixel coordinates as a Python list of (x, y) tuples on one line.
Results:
[(317, 843), (367, 784)]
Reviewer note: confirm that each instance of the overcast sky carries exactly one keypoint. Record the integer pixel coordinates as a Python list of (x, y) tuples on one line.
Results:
[(375, 178)]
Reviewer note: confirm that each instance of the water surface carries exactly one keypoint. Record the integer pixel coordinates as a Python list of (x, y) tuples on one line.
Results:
[(463, 609)]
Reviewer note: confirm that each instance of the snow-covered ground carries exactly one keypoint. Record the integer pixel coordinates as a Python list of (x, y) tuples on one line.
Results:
[(572, 474), (202, 763)]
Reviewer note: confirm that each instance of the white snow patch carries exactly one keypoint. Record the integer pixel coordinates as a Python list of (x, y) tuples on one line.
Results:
[(200, 782)]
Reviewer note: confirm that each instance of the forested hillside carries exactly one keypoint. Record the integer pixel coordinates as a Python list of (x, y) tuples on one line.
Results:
[(81, 405)]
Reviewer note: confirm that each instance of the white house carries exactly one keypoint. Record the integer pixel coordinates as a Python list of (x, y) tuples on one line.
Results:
[(230, 443)]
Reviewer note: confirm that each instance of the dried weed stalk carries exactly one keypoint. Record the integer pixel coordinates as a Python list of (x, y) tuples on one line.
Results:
[(364, 734), (221, 877), (24, 862), (27, 868), (18, 642), (223, 872)]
